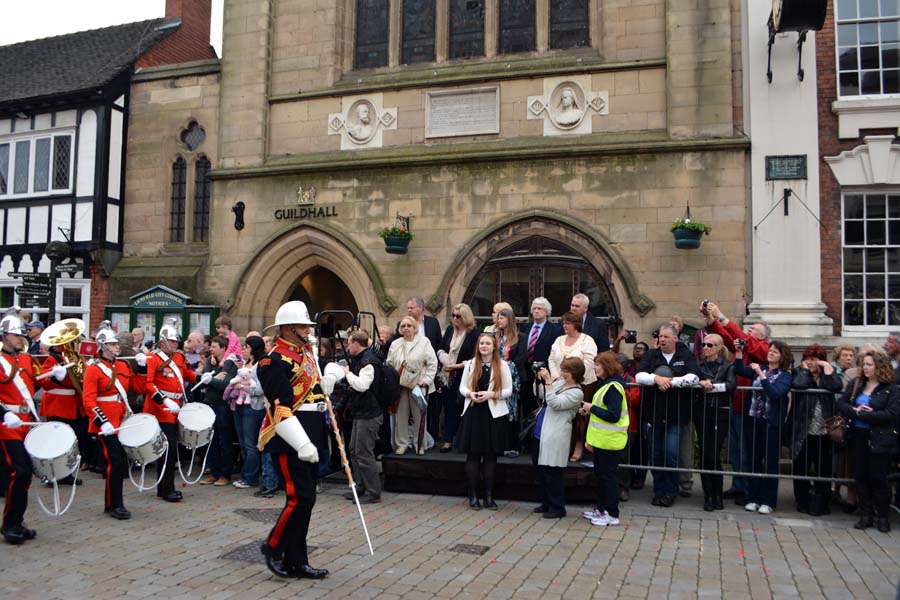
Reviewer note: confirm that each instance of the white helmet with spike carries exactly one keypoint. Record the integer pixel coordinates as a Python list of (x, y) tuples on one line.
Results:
[(12, 323)]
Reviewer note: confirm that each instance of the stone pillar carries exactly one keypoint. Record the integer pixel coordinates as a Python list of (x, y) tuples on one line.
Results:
[(782, 119), (246, 35), (698, 47)]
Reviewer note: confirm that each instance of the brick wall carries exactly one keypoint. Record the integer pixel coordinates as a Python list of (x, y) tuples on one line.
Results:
[(830, 145), (99, 295), (190, 41)]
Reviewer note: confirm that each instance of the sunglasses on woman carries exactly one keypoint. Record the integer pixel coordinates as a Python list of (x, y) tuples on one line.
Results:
[(456, 316), (708, 345)]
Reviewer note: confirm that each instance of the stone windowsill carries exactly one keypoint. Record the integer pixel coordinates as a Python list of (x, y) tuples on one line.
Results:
[(865, 113)]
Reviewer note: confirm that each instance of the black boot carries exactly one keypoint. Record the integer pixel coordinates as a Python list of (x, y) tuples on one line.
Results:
[(489, 501), (883, 524), (864, 522), (717, 493), (707, 493), (473, 500)]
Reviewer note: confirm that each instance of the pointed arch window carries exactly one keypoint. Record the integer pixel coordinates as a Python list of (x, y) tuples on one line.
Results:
[(176, 215), (201, 200)]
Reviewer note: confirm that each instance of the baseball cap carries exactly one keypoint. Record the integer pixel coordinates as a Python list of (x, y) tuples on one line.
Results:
[(35, 324)]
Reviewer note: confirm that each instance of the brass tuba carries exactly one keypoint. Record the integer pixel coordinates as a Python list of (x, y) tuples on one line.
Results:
[(65, 335)]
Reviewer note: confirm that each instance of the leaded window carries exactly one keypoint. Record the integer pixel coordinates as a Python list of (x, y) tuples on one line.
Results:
[(201, 200), (569, 24), (4, 169), (466, 28), (517, 26), (418, 31), (41, 164), (193, 136), (868, 47), (871, 259), (176, 215), (372, 17), (62, 159), (23, 163)]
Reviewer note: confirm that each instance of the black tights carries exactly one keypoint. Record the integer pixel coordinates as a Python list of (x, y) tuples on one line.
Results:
[(473, 462)]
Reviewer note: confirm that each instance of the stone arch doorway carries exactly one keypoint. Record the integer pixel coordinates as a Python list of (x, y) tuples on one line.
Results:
[(322, 290), (539, 266), (271, 276), (577, 257)]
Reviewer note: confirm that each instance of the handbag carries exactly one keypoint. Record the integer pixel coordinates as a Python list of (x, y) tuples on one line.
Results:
[(836, 428)]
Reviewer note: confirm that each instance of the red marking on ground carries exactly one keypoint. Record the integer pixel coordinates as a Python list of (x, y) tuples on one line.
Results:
[(806, 564), (434, 506), (183, 485), (503, 542), (631, 573), (741, 554), (411, 521), (440, 530), (493, 560)]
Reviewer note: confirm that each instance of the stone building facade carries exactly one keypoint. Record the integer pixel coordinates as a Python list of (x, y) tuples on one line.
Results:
[(538, 152)]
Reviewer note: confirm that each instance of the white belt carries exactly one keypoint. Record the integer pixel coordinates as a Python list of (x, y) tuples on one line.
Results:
[(62, 392), (114, 398), (175, 395), (18, 409), (312, 407)]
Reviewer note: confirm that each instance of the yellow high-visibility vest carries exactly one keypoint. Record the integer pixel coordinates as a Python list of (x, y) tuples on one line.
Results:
[(602, 434)]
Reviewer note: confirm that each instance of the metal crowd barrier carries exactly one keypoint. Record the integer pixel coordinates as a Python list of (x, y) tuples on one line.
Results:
[(700, 420)]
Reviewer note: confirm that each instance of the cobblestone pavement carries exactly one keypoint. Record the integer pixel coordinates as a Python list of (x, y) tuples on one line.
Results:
[(207, 547)]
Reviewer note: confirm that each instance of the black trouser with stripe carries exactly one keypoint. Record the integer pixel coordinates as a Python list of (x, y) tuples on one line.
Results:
[(288, 537), (167, 485), (116, 469), (18, 465)]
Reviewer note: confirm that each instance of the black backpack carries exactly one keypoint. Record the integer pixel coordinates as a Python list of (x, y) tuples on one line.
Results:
[(388, 386)]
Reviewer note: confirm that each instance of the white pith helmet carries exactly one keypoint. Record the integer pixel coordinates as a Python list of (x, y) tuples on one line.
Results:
[(169, 331), (12, 323), (292, 313)]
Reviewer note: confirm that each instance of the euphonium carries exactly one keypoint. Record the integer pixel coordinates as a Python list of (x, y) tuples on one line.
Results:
[(64, 335)]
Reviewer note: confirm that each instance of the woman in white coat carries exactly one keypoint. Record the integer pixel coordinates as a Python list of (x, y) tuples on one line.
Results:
[(553, 431), (486, 384), (413, 356)]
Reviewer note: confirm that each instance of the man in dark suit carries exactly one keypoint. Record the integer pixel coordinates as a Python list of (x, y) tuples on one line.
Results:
[(428, 326), (540, 334), (592, 326)]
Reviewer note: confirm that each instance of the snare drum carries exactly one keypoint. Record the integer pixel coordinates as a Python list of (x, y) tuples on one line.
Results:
[(53, 449), (195, 425), (142, 439)]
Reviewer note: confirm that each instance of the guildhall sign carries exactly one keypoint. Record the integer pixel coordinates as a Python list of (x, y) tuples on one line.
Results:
[(306, 207)]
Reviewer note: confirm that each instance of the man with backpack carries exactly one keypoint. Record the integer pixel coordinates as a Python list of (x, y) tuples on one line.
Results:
[(364, 375)]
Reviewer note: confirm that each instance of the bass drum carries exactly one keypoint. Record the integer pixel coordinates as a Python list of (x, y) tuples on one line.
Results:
[(53, 448)]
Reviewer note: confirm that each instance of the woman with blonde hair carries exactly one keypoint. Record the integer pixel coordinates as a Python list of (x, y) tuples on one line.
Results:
[(456, 347), (414, 358), (712, 414), (485, 385)]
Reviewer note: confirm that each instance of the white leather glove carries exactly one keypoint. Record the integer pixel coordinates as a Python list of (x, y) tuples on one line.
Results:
[(206, 378), (171, 406), (308, 453), (12, 420), (107, 429), (58, 372), (328, 384), (141, 359)]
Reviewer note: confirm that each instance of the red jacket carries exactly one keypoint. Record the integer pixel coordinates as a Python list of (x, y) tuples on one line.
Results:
[(11, 397), (101, 393), (755, 351), (161, 378), (62, 399)]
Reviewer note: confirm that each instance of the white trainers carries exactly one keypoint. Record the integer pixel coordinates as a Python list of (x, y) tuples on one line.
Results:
[(765, 509), (602, 520), (752, 507), (612, 521), (591, 514)]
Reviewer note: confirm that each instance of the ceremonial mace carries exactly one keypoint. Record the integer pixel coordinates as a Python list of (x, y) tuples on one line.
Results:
[(314, 344)]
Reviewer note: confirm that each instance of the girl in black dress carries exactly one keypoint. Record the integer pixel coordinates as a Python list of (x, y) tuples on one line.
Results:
[(486, 384)]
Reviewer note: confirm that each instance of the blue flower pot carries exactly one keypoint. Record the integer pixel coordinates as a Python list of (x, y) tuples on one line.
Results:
[(396, 245), (687, 239)]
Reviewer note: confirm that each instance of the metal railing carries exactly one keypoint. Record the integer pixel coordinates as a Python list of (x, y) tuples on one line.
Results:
[(748, 443)]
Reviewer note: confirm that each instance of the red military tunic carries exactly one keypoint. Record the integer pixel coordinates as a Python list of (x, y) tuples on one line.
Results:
[(62, 399), (161, 377), (99, 391), (10, 395)]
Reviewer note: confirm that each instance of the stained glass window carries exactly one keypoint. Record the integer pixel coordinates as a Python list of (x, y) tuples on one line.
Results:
[(418, 31), (371, 33), (466, 28)]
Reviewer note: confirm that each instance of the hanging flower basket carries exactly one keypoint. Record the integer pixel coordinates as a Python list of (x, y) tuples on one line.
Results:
[(688, 233), (396, 239)]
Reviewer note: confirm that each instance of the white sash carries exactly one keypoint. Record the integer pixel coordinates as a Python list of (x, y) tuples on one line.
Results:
[(177, 370), (106, 371), (20, 385)]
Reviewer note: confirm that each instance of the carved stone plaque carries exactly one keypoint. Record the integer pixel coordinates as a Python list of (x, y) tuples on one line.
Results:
[(361, 121), (473, 111)]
